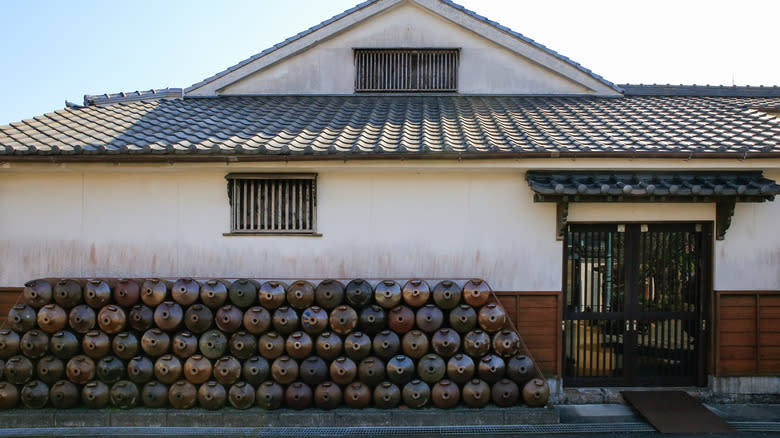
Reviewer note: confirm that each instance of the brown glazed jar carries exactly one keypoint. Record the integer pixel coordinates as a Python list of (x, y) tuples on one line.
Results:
[(35, 394), (271, 345), (67, 293), (110, 369), (314, 320), (214, 294), (49, 370), (520, 369), (197, 369), (141, 318), (37, 293), (22, 318), (242, 292), (242, 345), (329, 346), (416, 293), (167, 369), (446, 295), (329, 294), (386, 344), (431, 368), (416, 394), (111, 319), (184, 344), (9, 396), (387, 294), (255, 370), (371, 371), (97, 293), (80, 369), (491, 368), (94, 395), (357, 395), (227, 370), (63, 395), (272, 294), (285, 320), (313, 371), (343, 319), (357, 346), (298, 396), (154, 395), (327, 396), (9, 343), (372, 320), (491, 318), (64, 345), (476, 343), (400, 319), (140, 369), (476, 393), (96, 344), (476, 292), (359, 293), (212, 396), (387, 396), (284, 370), (445, 342), (460, 368), (536, 393), (505, 393), (52, 318), (506, 343), (155, 342), (257, 320), (212, 344), (182, 395), (445, 394), (300, 294), (269, 395), (463, 318), (299, 345), (198, 318), (400, 369), (126, 294), (168, 316), (415, 344), (153, 292), (18, 370), (343, 370), (429, 318), (34, 344), (185, 291), (125, 345)]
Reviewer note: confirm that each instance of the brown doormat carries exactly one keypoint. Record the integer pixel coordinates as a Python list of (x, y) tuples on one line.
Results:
[(675, 412)]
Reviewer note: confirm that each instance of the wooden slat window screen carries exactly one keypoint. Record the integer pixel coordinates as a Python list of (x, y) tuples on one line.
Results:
[(273, 203), (403, 70)]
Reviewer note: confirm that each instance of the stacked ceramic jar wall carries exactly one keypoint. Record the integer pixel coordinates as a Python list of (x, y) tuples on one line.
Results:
[(244, 343)]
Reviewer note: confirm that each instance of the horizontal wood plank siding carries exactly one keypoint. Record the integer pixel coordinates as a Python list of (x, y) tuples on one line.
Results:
[(8, 297), (747, 334), (537, 315)]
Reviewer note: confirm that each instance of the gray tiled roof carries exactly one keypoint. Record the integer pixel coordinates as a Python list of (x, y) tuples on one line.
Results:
[(306, 126)]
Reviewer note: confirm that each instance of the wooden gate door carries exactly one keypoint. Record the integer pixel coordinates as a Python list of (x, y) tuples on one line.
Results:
[(635, 299)]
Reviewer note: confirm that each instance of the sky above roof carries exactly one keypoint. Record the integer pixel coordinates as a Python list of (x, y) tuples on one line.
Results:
[(54, 50)]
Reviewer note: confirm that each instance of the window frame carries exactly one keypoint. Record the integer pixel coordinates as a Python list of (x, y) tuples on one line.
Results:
[(414, 77), (233, 178)]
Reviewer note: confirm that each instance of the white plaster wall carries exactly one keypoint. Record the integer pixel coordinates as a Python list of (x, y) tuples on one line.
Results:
[(328, 67)]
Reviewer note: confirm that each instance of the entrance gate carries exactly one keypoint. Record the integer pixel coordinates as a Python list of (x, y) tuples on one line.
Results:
[(635, 298)]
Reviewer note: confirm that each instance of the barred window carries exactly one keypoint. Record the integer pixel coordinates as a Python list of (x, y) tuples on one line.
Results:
[(404, 70), (273, 203)]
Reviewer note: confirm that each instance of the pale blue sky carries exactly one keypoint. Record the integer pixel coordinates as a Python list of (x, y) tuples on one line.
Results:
[(56, 50)]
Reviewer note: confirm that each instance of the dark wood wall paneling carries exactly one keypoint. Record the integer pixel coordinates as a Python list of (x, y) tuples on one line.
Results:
[(747, 336), (8, 297)]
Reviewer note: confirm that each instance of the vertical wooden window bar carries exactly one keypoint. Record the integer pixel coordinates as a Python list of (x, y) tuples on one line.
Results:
[(272, 203), (404, 70)]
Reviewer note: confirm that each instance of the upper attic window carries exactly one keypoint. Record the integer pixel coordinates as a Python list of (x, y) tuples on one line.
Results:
[(405, 70)]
